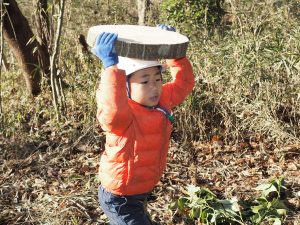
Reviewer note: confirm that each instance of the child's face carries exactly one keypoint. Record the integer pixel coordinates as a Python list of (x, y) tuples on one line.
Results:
[(145, 86)]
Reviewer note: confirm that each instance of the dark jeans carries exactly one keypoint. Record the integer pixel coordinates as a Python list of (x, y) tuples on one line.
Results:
[(124, 210)]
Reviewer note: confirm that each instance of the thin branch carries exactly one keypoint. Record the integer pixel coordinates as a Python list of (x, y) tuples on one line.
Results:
[(55, 84), (1, 59)]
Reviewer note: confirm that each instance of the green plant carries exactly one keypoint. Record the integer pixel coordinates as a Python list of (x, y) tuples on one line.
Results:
[(202, 205), (268, 207), (193, 15)]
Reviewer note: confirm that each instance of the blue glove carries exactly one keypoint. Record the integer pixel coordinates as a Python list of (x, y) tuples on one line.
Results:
[(105, 49), (166, 27)]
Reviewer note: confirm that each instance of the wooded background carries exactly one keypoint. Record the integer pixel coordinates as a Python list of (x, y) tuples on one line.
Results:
[(239, 127)]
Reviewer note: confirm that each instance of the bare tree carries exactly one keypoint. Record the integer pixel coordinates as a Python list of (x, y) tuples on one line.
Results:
[(36, 54), (29, 53)]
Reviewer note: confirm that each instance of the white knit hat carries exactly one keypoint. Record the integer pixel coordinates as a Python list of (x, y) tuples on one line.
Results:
[(131, 65)]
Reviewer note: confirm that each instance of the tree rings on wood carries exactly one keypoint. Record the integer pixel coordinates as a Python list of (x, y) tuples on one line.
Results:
[(143, 42)]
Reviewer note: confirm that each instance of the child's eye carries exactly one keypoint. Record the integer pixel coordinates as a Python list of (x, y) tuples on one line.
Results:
[(158, 79), (145, 82)]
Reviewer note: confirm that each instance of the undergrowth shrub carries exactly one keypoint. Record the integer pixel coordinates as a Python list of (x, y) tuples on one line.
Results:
[(201, 205), (193, 15), (247, 82)]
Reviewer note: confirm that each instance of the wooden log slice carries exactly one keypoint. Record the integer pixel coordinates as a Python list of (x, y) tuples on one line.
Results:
[(143, 42)]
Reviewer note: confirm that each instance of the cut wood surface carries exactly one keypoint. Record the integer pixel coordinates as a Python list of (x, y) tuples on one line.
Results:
[(143, 42)]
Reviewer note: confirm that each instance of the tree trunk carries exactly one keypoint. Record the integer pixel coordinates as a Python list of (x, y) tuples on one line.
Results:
[(141, 11), (19, 36), (44, 34)]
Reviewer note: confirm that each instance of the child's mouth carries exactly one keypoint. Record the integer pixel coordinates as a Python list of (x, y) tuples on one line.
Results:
[(154, 98)]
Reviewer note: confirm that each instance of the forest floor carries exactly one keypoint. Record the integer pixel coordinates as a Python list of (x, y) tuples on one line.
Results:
[(48, 174), (52, 178)]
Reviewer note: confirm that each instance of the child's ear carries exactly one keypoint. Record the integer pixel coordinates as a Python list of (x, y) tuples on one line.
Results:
[(164, 67)]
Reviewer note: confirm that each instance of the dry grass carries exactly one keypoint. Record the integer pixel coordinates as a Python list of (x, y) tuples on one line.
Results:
[(248, 79)]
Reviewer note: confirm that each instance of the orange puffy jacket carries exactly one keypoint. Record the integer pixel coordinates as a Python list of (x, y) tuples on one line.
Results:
[(137, 138)]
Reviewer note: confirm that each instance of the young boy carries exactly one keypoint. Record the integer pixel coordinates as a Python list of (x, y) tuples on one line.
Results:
[(134, 111)]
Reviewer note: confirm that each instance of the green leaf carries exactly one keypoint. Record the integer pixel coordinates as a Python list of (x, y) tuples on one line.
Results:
[(173, 205), (277, 221), (181, 202), (208, 191), (195, 213), (204, 216), (213, 218), (281, 205), (266, 189), (255, 209), (262, 213), (256, 219), (231, 204), (201, 201), (263, 187), (192, 190), (207, 194), (261, 200), (281, 212)]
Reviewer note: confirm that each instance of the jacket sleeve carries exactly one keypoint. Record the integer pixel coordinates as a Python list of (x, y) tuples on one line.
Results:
[(113, 111), (182, 83)]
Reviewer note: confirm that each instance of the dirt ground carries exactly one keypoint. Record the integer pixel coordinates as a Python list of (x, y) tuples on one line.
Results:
[(53, 180)]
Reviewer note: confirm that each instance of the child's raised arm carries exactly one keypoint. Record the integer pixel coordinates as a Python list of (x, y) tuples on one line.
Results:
[(182, 83), (113, 111)]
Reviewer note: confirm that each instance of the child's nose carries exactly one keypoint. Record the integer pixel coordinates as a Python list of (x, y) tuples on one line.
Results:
[(154, 85)]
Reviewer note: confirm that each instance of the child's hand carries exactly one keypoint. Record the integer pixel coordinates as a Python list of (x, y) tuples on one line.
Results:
[(166, 27), (105, 49)]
